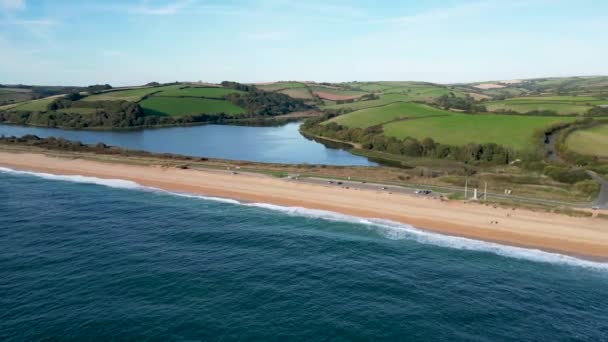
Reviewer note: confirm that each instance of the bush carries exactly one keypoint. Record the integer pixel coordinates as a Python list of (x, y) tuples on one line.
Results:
[(589, 187), (564, 175)]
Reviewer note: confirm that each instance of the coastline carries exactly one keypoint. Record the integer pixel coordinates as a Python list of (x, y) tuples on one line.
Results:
[(580, 237)]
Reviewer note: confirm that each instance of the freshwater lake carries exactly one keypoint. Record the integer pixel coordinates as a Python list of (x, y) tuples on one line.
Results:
[(282, 144)]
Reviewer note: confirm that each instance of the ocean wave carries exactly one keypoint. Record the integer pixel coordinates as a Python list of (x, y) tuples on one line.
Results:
[(112, 183), (389, 229)]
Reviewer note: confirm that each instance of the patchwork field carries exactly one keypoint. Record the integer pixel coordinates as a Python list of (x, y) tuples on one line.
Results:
[(527, 106), (458, 129), (133, 95), (379, 115), (174, 106), (298, 93), (280, 86), (592, 141), (197, 92), (561, 105), (333, 94), (14, 95), (383, 100)]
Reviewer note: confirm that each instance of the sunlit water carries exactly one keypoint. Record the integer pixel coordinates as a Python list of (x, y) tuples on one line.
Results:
[(282, 144), (90, 259)]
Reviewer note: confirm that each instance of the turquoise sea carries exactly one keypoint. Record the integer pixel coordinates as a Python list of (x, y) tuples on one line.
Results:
[(90, 259)]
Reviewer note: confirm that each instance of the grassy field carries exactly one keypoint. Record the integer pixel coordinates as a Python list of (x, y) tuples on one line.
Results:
[(592, 141), (383, 100), (176, 106), (198, 92), (133, 95), (280, 85), (459, 129), (560, 99), (529, 106), (423, 93), (34, 105), (14, 95), (379, 115), (298, 93), (339, 92)]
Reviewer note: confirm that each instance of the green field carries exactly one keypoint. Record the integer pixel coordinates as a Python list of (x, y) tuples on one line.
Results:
[(198, 92), (175, 106), (298, 93), (383, 100), (338, 91), (423, 93), (458, 129), (560, 99), (279, 86), (34, 105), (529, 106), (369, 87), (133, 95), (592, 141), (379, 115)]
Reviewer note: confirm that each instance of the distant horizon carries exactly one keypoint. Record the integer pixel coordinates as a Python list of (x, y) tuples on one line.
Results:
[(255, 41), (302, 81)]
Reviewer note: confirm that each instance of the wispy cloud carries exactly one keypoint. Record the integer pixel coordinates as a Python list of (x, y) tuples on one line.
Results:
[(315, 6), (12, 5), (39, 28), (171, 8), (466, 9)]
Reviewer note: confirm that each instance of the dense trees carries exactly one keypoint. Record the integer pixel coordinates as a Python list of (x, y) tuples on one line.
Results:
[(261, 103), (461, 103)]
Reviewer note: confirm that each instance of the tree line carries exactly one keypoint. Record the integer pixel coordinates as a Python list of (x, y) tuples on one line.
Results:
[(373, 138)]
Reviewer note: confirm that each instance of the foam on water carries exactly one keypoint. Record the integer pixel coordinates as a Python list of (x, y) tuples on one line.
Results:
[(389, 229), (113, 183)]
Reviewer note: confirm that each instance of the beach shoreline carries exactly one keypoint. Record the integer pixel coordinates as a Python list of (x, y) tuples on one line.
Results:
[(579, 237)]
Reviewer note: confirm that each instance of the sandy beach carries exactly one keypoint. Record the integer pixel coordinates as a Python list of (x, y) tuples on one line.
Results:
[(583, 237)]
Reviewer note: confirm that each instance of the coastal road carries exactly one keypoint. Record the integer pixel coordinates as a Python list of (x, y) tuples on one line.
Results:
[(437, 191), (602, 198)]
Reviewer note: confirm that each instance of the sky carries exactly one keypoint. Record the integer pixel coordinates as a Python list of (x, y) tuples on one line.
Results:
[(122, 42)]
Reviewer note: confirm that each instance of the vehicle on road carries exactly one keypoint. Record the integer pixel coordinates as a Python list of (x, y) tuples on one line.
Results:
[(423, 192)]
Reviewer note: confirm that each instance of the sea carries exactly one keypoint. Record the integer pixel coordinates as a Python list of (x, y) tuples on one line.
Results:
[(83, 258)]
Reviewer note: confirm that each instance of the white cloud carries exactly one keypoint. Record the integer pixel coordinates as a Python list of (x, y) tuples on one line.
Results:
[(12, 5), (465, 9)]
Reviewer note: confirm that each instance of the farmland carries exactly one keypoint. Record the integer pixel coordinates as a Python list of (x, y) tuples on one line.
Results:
[(592, 141), (383, 100), (561, 105), (208, 92), (298, 93), (280, 86), (516, 132), (175, 106), (379, 115), (333, 93), (132, 95), (34, 105)]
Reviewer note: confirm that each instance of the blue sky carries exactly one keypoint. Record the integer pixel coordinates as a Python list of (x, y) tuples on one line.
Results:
[(133, 42)]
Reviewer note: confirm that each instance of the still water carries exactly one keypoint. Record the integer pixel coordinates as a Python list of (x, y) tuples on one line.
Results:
[(283, 144)]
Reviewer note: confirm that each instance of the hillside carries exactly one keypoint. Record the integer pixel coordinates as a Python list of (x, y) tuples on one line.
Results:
[(152, 105)]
